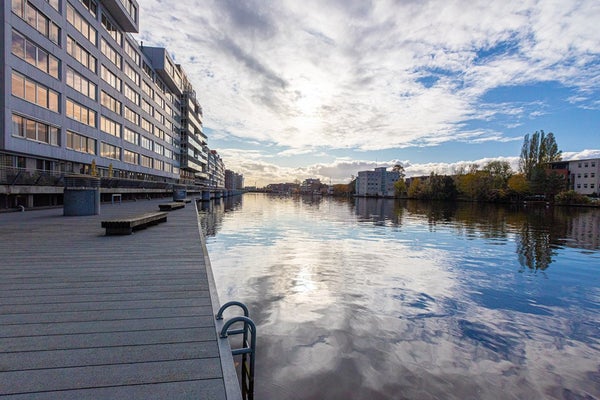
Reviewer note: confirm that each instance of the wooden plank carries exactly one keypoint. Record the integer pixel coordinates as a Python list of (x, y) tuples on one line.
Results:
[(85, 315), (171, 206), (212, 389)]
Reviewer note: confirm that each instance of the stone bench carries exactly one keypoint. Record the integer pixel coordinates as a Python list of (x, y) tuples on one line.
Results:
[(126, 225), (171, 206)]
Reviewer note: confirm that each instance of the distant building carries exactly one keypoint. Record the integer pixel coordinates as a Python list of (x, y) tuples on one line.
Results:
[(233, 180), (216, 170), (376, 183), (583, 175), (311, 185), (285, 188)]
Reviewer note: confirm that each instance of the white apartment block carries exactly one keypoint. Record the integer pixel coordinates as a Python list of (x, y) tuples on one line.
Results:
[(376, 183), (80, 93), (584, 176)]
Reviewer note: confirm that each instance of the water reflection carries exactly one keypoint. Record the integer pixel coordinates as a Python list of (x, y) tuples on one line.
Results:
[(382, 299)]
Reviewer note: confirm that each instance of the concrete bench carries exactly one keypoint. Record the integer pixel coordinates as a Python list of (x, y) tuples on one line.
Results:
[(171, 206), (126, 225)]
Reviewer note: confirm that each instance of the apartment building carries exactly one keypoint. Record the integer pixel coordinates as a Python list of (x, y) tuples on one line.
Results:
[(216, 170), (582, 176), (80, 94), (233, 180), (376, 183)]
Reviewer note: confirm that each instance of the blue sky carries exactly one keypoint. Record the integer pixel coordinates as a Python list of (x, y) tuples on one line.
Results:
[(292, 90)]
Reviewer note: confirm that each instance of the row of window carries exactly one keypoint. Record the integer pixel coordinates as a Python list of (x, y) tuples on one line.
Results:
[(34, 130), (81, 24), (34, 55), (585, 185), (585, 175), (34, 92), (79, 53), (36, 19), (585, 164)]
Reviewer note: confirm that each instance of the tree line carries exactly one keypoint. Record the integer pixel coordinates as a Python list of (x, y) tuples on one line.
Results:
[(497, 182)]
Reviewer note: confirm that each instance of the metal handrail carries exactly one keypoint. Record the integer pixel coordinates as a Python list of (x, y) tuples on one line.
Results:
[(248, 349)]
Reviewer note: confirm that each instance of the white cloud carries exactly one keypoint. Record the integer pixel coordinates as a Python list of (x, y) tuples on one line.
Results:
[(336, 75)]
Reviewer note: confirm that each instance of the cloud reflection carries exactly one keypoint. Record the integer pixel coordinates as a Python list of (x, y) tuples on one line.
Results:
[(421, 306)]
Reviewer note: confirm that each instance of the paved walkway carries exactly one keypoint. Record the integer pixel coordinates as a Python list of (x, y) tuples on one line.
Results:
[(88, 316)]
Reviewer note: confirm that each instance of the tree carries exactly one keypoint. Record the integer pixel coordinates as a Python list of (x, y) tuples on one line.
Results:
[(400, 187), (537, 151), (415, 189), (500, 171), (518, 184), (399, 168)]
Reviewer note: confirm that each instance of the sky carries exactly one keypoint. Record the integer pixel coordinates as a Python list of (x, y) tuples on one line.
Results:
[(323, 89)]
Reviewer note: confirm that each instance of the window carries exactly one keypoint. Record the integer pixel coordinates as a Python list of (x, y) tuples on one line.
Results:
[(130, 72), (159, 133), (145, 161), (131, 94), (593, 175), (131, 116), (79, 53), (34, 55), (147, 70), (593, 164), (147, 89), (109, 126), (112, 29), (579, 165), (110, 151), (81, 84), (130, 136), (159, 164), (110, 102), (585, 185), (81, 143), (130, 8), (146, 143), (110, 53), (91, 6), (579, 186), (110, 78), (585, 165), (34, 92), (130, 50), (130, 157), (592, 185), (146, 125), (36, 19), (81, 24), (80, 113), (579, 175), (147, 107), (33, 130), (54, 4), (159, 148)]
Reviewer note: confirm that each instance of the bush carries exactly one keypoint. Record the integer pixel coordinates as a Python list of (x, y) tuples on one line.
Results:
[(571, 197)]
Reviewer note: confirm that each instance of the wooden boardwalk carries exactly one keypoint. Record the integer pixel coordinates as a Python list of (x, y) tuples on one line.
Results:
[(88, 316)]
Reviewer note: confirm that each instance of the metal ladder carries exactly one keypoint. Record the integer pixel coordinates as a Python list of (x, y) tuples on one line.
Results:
[(248, 349)]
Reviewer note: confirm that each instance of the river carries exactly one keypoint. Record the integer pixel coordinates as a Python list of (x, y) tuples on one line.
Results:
[(383, 299)]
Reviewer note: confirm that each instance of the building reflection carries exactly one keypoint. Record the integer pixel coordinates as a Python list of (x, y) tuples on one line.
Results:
[(211, 213), (539, 231)]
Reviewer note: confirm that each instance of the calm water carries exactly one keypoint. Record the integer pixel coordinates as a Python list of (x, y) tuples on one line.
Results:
[(378, 299)]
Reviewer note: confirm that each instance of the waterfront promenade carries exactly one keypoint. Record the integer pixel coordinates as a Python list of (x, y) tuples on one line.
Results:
[(87, 316)]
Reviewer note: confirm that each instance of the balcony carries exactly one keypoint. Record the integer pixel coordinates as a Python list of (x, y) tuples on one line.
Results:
[(165, 68), (125, 12)]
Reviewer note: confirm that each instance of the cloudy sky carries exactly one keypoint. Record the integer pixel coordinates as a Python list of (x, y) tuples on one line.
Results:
[(297, 89)]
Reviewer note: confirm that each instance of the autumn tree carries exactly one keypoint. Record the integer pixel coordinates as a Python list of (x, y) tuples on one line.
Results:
[(537, 151)]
